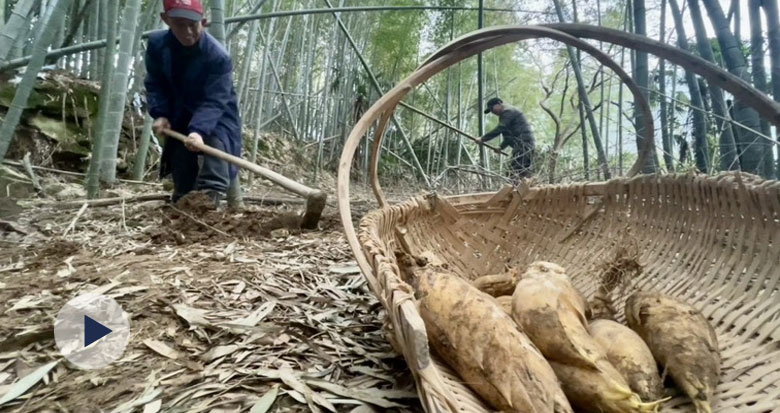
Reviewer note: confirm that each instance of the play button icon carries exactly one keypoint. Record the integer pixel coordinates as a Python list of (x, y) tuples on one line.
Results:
[(92, 331)]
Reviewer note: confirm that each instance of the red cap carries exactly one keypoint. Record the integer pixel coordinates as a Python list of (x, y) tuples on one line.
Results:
[(186, 9)]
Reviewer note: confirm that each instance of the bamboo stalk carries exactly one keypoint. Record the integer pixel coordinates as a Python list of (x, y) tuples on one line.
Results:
[(25, 88), (275, 73), (238, 26), (108, 19), (587, 108), (11, 30), (379, 90), (259, 99), (22, 37), (139, 166), (98, 44), (112, 128)]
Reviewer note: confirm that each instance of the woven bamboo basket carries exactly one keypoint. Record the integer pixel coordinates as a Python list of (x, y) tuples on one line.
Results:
[(713, 242)]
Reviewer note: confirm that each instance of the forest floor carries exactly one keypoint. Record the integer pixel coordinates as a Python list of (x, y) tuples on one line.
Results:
[(226, 307)]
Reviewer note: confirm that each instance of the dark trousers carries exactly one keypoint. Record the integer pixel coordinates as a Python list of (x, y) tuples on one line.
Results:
[(521, 163), (196, 171)]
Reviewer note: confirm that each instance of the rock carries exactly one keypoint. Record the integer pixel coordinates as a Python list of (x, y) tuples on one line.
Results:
[(52, 187), (68, 136), (280, 233), (71, 192)]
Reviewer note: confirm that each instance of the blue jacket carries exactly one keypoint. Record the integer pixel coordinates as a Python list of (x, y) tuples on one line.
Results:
[(200, 98)]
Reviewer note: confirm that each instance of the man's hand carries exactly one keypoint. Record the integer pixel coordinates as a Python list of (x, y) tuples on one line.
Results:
[(192, 141), (160, 124)]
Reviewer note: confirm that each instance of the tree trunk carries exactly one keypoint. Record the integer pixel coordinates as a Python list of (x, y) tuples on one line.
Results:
[(103, 31), (322, 130), (621, 88), (378, 88), (481, 92), (666, 140), (750, 146), (261, 83), (139, 68), (759, 74), (672, 115), (735, 4), (79, 61), (773, 34), (705, 96), (585, 99), (45, 11), (217, 29), (139, 165), (727, 139), (22, 38), (243, 82), (602, 105), (60, 36), (77, 21), (274, 63), (309, 79), (278, 81), (585, 155), (25, 87), (94, 55), (15, 26), (93, 173), (112, 129), (238, 26), (641, 77), (217, 23), (699, 121), (230, 44)]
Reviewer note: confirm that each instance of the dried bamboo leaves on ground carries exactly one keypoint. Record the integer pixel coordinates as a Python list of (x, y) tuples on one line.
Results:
[(229, 312)]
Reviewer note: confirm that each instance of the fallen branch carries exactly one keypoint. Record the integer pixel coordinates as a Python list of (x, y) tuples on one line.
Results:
[(61, 172), (34, 179), (104, 202), (75, 219)]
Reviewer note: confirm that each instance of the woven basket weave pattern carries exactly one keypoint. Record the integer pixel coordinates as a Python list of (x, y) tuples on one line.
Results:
[(713, 242)]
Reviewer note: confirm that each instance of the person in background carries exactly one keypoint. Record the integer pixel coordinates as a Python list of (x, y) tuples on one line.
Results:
[(189, 89), (517, 134)]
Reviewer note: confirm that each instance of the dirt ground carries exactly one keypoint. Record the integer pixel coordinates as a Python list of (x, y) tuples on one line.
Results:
[(229, 311)]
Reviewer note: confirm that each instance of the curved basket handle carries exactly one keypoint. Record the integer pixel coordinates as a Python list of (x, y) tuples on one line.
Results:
[(742, 90), (471, 44), (486, 39), (385, 106)]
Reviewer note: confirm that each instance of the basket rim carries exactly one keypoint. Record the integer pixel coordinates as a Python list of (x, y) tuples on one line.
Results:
[(397, 298)]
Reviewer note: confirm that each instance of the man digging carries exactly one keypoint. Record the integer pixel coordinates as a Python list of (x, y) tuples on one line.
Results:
[(189, 89), (517, 134)]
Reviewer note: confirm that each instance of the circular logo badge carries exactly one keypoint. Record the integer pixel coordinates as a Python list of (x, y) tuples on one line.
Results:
[(92, 331)]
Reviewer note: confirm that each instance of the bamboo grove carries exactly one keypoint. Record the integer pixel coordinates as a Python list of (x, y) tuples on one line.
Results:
[(307, 69)]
